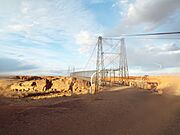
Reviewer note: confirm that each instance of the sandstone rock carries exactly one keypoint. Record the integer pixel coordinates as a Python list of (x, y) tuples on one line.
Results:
[(59, 85), (160, 92), (40, 85), (45, 87)]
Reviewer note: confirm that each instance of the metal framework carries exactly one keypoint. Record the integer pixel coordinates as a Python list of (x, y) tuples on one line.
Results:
[(123, 65), (99, 64), (111, 63), (111, 70)]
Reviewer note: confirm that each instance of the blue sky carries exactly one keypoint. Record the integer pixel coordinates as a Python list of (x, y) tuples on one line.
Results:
[(45, 36)]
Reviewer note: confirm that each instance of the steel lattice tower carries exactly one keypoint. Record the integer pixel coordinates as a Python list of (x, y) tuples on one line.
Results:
[(121, 61), (99, 64), (123, 65)]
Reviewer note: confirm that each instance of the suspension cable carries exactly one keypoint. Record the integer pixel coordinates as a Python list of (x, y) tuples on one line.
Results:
[(90, 56)]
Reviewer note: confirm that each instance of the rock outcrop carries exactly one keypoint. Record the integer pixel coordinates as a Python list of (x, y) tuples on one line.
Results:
[(45, 86)]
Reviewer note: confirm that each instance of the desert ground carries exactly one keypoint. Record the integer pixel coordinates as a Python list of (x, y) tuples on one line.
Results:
[(122, 110)]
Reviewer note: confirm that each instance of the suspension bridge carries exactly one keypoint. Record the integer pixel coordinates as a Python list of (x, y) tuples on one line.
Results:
[(110, 61)]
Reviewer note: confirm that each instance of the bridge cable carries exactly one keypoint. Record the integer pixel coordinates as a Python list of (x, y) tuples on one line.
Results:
[(152, 34), (138, 35), (90, 56)]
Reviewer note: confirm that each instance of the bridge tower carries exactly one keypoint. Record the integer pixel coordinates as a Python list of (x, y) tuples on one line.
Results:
[(123, 65), (100, 74), (120, 71)]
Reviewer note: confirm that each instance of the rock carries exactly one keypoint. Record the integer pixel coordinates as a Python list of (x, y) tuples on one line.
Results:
[(160, 92), (49, 86)]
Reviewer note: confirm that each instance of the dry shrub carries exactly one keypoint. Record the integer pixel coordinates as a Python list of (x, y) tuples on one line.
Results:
[(168, 84)]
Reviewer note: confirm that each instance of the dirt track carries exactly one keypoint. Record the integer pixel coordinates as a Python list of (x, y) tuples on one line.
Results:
[(124, 112)]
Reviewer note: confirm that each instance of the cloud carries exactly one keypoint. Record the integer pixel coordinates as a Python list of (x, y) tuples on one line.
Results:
[(43, 58), (147, 15), (18, 27), (51, 34), (157, 56), (124, 1), (138, 71), (6, 65), (86, 40), (162, 48), (47, 20), (42, 33), (140, 16), (152, 12), (97, 1)]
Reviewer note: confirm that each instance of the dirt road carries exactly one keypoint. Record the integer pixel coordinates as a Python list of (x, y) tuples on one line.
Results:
[(122, 112)]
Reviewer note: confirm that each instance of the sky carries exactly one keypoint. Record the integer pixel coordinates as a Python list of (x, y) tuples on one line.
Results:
[(46, 37)]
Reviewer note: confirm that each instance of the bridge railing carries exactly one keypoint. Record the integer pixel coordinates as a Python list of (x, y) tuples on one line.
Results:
[(86, 74), (99, 79)]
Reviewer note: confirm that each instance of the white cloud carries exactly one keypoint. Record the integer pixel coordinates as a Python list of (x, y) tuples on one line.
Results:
[(171, 47), (39, 57), (139, 71), (147, 15), (97, 1), (48, 18), (27, 25), (124, 1), (84, 38), (155, 56), (150, 12), (19, 27)]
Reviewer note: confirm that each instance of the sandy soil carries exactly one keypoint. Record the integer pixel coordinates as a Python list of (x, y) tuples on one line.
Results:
[(126, 111)]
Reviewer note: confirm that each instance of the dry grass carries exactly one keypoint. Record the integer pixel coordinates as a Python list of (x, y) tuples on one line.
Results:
[(169, 84)]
